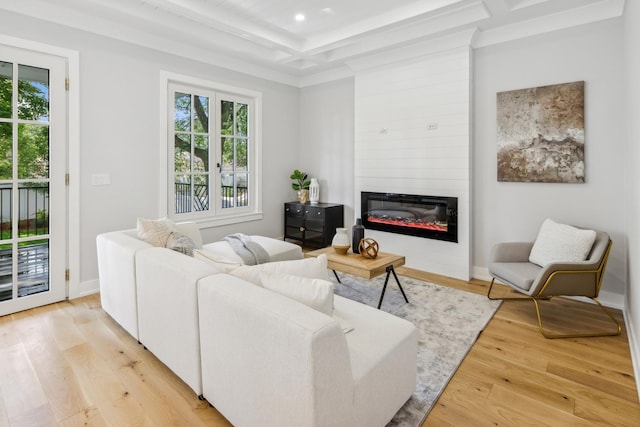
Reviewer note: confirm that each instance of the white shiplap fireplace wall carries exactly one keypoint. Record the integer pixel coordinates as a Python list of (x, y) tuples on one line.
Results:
[(412, 136)]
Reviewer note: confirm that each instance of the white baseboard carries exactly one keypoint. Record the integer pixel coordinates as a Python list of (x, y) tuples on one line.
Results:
[(634, 346), (608, 299), (85, 288)]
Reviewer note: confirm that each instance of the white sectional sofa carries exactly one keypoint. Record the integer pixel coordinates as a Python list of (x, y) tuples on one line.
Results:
[(259, 357)]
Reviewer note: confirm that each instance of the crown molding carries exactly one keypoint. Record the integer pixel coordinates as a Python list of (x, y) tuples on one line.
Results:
[(605, 9), (270, 55), (413, 52)]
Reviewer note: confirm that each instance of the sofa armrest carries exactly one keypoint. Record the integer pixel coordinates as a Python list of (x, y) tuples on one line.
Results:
[(116, 269), (290, 361), (168, 312), (511, 252)]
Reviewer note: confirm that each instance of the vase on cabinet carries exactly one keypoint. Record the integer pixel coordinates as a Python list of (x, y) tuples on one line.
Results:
[(303, 196), (314, 191)]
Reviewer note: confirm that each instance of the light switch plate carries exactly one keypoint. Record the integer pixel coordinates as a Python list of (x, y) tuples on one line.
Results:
[(100, 179)]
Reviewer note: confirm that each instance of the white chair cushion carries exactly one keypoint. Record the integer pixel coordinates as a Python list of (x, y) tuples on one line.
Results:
[(315, 293), (561, 243), (312, 268)]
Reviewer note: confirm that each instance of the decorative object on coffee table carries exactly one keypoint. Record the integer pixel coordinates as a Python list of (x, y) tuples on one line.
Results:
[(349, 263), (368, 248), (314, 191), (340, 242), (357, 235)]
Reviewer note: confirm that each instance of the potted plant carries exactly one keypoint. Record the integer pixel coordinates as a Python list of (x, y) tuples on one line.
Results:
[(300, 184)]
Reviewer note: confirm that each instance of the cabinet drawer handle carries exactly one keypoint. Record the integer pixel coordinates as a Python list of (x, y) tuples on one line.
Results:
[(319, 213), (306, 212), (298, 211), (301, 228)]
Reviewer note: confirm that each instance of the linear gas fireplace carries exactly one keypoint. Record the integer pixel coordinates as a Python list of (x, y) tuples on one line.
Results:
[(432, 217)]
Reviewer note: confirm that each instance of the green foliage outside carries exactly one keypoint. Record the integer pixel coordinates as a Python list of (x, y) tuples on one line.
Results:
[(33, 139), (192, 128), (33, 142)]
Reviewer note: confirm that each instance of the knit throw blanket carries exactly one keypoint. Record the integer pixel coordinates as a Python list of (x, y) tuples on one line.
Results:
[(251, 252)]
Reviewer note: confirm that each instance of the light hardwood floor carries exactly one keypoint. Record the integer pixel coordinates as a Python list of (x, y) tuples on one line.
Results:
[(70, 364)]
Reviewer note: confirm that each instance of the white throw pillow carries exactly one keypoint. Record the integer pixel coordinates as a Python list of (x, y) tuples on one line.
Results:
[(316, 293), (312, 268), (561, 243), (213, 258), (155, 231)]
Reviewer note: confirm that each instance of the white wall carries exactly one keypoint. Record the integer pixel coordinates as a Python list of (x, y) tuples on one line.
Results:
[(397, 152), (120, 133), (632, 177), (326, 141), (514, 211)]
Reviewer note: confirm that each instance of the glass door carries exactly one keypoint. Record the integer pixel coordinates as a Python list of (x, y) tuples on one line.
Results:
[(32, 174)]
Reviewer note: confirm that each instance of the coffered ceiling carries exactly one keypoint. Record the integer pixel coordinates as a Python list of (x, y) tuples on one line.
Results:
[(263, 37)]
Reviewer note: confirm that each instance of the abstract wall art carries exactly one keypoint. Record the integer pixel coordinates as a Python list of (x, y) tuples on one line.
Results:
[(540, 134)]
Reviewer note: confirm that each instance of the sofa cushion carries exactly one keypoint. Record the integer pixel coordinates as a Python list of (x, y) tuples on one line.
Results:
[(561, 243), (224, 264), (155, 231), (180, 243), (278, 250), (383, 353), (313, 268), (316, 293)]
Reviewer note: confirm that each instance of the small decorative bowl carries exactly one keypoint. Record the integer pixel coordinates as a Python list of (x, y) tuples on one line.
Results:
[(341, 250)]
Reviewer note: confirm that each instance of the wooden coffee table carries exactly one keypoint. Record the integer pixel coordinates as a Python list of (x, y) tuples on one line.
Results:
[(360, 266)]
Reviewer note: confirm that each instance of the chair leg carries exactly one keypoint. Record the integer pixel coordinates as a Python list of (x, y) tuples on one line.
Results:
[(585, 335), (553, 336)]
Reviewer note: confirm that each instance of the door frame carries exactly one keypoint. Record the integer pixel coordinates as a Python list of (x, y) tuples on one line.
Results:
[(72, 59)]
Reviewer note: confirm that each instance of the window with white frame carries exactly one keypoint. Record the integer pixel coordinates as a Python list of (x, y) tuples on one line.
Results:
[(213, 160)]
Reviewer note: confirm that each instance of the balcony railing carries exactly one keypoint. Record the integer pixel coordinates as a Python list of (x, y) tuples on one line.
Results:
[(33, 210), (33, 269), (201, 197)]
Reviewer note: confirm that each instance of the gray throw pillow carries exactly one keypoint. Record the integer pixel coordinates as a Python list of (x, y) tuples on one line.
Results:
[(180, 243)]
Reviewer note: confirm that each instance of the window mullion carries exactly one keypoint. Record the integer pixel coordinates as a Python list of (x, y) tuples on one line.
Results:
[(225, 117)]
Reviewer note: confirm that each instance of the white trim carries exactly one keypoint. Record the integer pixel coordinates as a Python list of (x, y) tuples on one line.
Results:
[(587, 14), (634, 344), (413, 52), (88, 287), (73, 128), (255, 97)]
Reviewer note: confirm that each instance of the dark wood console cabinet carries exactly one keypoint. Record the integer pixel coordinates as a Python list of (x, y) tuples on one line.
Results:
[(312, 225)]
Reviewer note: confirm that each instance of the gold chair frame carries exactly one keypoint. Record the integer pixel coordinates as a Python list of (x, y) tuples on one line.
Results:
[(541, 296)]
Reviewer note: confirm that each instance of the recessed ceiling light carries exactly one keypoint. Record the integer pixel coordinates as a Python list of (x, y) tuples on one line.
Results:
[(300, 17)]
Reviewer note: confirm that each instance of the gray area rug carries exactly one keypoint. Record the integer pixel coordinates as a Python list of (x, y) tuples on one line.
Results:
[(448, 321)]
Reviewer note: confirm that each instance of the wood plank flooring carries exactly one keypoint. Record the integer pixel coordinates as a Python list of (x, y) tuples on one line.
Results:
[(70, 364)]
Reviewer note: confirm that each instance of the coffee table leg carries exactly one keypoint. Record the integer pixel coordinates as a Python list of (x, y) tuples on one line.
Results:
[(384, 288), (398, 282), (390, 270), (337, 278)]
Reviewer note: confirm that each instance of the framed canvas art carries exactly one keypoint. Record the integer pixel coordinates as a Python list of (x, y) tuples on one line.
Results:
[(540, 134)]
